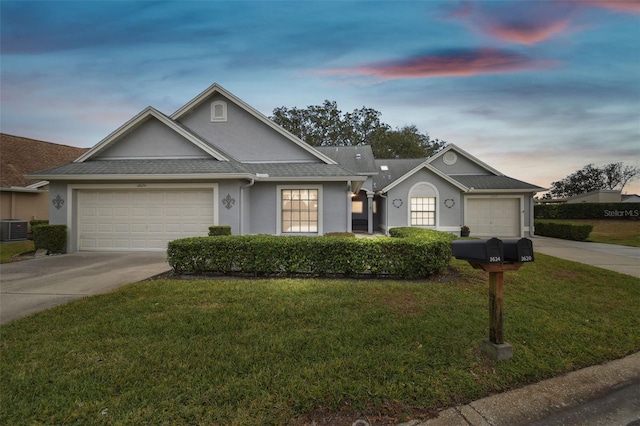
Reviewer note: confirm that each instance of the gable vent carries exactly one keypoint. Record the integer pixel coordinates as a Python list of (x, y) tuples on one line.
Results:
[(218, 111)]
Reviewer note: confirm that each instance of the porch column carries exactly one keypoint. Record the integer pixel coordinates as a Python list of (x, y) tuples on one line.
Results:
[(370, 212)]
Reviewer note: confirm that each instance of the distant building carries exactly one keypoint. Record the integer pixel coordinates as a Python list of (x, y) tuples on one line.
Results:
[(631, 198), (22, 198)]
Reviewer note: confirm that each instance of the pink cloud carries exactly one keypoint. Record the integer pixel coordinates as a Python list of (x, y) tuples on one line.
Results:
[(528, 33), (525, 23), (632, 6), (456, 63)]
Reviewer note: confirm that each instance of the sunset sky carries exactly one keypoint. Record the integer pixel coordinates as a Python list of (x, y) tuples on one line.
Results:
[(537, 89)]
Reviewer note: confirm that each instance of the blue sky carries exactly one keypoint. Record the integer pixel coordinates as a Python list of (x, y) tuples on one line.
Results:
[(537, 89)]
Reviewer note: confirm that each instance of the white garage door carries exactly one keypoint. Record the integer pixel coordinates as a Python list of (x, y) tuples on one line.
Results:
[(493, 217), (129, 220)]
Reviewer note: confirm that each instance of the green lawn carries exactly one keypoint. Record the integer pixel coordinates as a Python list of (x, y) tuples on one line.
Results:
[(8, 249), (291, 351)]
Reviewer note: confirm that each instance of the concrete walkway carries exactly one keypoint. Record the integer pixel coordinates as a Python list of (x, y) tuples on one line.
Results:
[(34, 285)]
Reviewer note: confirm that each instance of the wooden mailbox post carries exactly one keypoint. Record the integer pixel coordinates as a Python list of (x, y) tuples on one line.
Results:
[(495, 257)]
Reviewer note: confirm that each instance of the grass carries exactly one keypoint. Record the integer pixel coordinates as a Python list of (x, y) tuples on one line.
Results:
[(9, 249), (260, 352), (623, 232)]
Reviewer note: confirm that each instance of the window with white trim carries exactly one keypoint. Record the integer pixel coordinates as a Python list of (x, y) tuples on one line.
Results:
[(299, 210), (219, 111), (423, 205), (423, 211)]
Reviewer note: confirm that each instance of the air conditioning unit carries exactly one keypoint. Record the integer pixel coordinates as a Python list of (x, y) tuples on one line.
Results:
[(13, 230)]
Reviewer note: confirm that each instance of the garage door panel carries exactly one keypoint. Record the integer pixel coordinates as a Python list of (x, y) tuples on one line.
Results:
[(499, 217), (141, 219)]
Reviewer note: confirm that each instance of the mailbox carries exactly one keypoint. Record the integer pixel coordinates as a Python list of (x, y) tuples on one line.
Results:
[(483, 251), (518, 250)]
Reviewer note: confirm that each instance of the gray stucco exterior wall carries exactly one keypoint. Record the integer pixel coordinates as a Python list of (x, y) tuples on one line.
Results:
[(264, 206), (152, 139), (242, 136), (462, 166), (448, 216)]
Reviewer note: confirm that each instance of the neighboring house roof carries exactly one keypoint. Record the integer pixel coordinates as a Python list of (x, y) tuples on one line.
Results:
[(20, 156), (358, 158), (631, 198)]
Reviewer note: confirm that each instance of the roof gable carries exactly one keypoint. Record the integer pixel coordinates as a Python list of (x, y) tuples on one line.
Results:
[(423, 166), (20, 156), (476, 175), (215, 91), (138, 121), (450, 164)]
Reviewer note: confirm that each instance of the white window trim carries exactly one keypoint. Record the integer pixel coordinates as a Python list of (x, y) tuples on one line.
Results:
[(214, 117), (279, 189), (411, 195)]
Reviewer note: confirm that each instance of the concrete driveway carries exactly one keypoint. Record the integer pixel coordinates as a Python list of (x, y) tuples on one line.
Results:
[(37, 284), (623, 259)]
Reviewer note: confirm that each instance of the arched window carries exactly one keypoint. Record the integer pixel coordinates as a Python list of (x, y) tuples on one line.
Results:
[(219, 111), (423, 205)]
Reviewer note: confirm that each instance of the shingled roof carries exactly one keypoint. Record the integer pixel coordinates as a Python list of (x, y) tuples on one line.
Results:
[(20, 156)]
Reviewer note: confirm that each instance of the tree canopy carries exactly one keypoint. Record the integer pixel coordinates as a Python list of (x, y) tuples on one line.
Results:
[(326, 125), (613, 176)]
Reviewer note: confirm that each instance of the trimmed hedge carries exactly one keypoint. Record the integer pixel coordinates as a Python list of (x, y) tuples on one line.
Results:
[(36, 222), (219, 230), (566, 231), (613, 211), (50, 237), (268, 255), (413, 232)]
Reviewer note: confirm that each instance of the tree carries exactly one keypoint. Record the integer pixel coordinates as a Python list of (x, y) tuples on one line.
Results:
[(406, 142), (326, 125), (613, 176)]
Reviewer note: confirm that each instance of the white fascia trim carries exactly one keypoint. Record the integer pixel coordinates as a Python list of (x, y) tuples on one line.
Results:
[(429, 167), (24, 189), (38, 184), (138, 120), (215, 87), (467, 155)]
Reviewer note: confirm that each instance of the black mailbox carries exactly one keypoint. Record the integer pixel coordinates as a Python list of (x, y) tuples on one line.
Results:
[(518, 250), (483, 251)]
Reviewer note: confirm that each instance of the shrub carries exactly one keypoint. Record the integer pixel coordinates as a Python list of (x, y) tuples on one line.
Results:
[(37, 222), (413, 232), (566, 231), (50, 237), (613, 211), (219, 230), (268, 255), (340, 234)]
